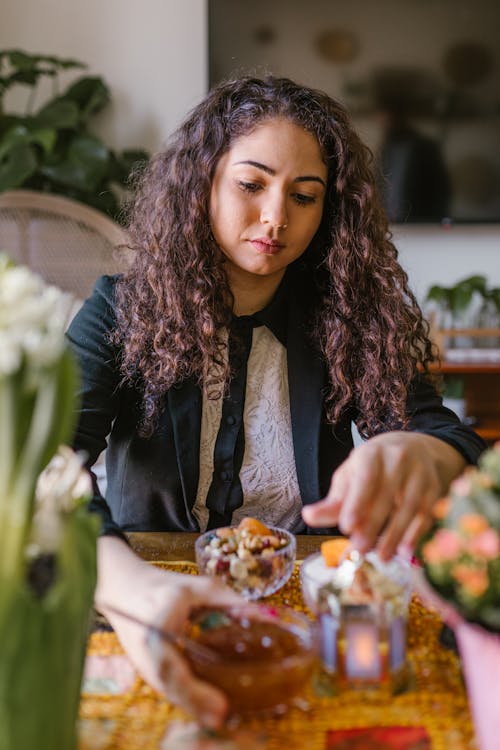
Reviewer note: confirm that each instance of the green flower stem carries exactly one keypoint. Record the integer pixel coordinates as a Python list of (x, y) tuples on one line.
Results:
[(51, 418), (7, 417), (19, 500), (43, 646)]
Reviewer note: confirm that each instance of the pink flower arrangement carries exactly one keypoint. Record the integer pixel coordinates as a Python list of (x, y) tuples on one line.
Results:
[(461, 553)]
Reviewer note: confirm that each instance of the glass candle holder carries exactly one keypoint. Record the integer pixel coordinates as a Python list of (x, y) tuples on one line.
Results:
[(362, 609)]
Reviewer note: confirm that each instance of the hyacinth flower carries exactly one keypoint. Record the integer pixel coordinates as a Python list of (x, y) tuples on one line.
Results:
[(47, 535)]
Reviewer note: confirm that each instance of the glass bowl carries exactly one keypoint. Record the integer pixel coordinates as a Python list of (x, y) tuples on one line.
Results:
[(261, 657), (254, 565)]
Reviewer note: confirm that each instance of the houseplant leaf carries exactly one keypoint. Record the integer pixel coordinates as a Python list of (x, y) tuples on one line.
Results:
[(18, 166), (84, 166), (55, 152), (60, 114), (44, 137), (90, 94)]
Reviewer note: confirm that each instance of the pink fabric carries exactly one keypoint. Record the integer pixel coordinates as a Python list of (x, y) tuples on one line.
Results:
[(480, 652)]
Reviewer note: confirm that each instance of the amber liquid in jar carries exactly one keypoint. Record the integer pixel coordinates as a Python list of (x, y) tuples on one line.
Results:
[(259, 663)]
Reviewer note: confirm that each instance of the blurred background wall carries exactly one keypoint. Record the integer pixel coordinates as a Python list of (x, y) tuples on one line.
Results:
[(154, 55)]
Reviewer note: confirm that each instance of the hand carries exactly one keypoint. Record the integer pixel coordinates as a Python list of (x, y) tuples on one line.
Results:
[(383, 493), (165, 600)]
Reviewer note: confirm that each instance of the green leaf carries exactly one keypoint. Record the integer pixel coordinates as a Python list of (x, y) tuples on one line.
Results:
[(440, 295), (19, 164), (59, 113), (67, 63), (84, 167), (90, 94), (476, 283), (22, 60), (461, 298), (43, 137), (494, 295)]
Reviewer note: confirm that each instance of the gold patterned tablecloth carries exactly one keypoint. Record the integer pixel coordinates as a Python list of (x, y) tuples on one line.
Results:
[(138, 718)]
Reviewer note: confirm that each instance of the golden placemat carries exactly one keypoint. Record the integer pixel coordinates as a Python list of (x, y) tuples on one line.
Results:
[(436, 700)]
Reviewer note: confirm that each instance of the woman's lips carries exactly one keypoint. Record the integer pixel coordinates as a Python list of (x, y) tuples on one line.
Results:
[(267, 247)]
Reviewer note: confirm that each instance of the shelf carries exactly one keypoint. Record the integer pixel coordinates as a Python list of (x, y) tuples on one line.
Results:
[(481, 394), (490, 434), (467, 368)]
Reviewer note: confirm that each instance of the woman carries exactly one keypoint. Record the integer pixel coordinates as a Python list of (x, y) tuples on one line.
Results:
[(264, 312)]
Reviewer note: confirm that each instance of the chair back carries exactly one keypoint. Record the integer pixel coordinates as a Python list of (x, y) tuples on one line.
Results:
[(68, 243)]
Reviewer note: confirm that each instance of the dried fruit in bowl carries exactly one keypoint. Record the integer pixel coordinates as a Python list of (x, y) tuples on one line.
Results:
[(254, 559), (334, 551), (254, 526)]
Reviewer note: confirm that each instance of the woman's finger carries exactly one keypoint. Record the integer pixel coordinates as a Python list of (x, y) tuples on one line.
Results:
[(176, 681)]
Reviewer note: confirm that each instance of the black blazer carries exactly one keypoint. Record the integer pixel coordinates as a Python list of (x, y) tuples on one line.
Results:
[(152, 483)]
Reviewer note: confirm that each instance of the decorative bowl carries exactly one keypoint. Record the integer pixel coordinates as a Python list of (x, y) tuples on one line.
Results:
[(253, 564)]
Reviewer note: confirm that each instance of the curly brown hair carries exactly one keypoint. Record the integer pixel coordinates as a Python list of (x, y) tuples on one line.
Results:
[(174, 300)]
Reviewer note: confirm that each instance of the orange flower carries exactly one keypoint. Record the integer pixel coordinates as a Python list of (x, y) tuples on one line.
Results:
[(485, 545), (474, 581), (444, 547), (473, 523), (441, 508)]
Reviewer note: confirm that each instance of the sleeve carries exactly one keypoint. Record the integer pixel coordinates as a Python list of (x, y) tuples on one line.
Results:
[(89, 339), (428, 415)]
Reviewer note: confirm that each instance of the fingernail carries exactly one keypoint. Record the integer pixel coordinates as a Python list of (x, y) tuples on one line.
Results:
[(346, 523), (209, 721), (359, 542)]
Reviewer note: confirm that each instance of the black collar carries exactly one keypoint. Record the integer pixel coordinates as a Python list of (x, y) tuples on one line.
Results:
[(274, 316)]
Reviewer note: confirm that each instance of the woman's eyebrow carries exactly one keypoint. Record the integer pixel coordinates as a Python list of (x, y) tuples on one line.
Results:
[(269, 170)]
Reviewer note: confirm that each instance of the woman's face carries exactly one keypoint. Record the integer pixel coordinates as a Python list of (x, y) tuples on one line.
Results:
[(267, 199)]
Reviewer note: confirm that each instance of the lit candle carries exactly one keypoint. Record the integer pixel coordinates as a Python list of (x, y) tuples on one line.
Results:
[(362, 653)]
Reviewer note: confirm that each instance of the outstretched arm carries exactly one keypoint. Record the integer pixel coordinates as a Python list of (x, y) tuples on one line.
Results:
[(383, 493), (165, 600)]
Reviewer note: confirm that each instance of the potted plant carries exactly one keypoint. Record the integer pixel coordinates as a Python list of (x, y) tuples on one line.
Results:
[(50, 146)]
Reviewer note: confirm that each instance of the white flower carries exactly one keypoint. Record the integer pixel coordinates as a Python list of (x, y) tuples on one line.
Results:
[(61, 486), (31, 323)]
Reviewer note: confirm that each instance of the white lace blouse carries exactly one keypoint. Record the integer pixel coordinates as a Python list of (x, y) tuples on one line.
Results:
[(268, 476)]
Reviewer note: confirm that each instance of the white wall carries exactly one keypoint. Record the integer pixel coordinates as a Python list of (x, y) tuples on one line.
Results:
[(444, 255), (153, 54)]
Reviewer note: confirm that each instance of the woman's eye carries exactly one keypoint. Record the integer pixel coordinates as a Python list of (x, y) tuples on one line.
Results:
[(249, 187), (304, 200)]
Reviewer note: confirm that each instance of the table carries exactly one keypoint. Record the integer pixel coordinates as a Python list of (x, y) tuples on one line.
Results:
[(138, 717), (160, 545)]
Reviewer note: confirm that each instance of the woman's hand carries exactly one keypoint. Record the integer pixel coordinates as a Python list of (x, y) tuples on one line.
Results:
[(383, 493), (165, 600)]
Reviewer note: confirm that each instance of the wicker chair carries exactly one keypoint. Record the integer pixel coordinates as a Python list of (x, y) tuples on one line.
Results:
[(68, 243)]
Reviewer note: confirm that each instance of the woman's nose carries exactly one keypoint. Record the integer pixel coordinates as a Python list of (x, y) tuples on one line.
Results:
[(274, 213)]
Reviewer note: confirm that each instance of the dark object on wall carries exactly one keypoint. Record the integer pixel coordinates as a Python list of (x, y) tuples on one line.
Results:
[(265, 34), (467, 63), (52, 149), (414, 180), (337, 45)]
